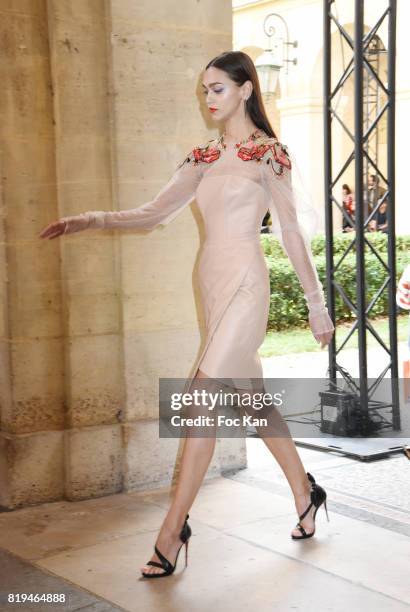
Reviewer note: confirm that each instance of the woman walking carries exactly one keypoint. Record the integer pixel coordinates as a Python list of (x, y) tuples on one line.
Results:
[(235, 179)]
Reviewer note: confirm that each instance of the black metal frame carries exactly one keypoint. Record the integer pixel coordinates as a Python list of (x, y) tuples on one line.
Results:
[(358, 64)]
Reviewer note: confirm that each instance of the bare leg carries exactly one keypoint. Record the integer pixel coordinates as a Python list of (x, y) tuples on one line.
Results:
[(286, 454), (196, 456), (279, 441)]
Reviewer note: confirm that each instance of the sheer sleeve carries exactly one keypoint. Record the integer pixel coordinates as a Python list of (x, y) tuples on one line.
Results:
[(403, 289), (295, 222), (176, 194)]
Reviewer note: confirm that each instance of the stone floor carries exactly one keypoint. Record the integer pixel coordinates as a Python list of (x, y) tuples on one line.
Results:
[(241, 556), (20, 577)]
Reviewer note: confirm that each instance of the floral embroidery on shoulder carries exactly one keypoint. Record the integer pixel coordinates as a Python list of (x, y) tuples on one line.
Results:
[(206, 153), (269, 150), (261, 148)]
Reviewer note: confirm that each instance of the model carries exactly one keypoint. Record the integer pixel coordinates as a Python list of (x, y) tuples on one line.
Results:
[(235, 179)]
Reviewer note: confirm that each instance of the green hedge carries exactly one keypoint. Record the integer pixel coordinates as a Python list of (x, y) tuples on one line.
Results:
[(340, 243), (288, 307)]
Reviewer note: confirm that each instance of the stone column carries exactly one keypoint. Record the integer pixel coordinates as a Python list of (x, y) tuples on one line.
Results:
[(90, 273), (32, 344)]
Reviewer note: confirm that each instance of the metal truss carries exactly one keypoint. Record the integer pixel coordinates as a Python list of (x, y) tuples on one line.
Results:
[(374, 105)]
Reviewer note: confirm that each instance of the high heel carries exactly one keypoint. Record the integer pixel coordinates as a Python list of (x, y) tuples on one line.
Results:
[(166, 565), (317, 498)]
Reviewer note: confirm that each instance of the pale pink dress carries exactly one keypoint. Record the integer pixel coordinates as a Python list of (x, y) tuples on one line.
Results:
[(233, 194)]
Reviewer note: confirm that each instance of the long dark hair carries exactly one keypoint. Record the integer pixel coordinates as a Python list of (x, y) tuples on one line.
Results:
[(240, 68), (346, 187)]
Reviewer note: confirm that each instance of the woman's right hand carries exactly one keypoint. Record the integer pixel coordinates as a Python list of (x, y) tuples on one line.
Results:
[(66, 225), (53, 229)]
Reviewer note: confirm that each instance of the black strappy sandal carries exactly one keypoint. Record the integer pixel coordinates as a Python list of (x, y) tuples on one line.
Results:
[(166, 565), (317, 498)]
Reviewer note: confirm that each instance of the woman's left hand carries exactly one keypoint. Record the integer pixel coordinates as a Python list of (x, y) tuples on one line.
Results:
[(322, 326)]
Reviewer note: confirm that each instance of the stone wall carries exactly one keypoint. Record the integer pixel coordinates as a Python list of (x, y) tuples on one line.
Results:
[(99, 104)]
